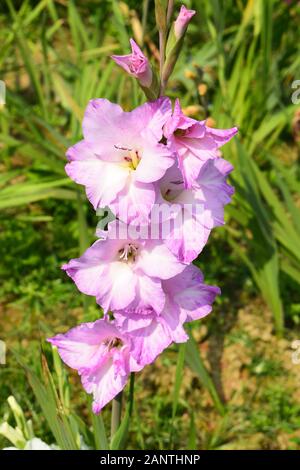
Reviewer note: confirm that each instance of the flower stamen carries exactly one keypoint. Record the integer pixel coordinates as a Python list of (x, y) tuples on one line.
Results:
[(128, 253), (112, 343)]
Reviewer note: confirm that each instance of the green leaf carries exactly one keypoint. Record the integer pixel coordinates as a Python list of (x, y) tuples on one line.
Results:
[(48, 400), (119, 438), (178, 382), (194, 361)]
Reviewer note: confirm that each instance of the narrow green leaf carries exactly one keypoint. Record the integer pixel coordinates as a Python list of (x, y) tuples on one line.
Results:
[(194, 361), (119, 439), (99, 432)]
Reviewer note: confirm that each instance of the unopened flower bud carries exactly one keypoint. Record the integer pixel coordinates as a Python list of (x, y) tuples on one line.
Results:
[(175, 40), (182, 21), (136, 64)]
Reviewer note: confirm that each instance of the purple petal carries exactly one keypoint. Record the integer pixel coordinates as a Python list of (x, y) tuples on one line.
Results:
[(80, 348)]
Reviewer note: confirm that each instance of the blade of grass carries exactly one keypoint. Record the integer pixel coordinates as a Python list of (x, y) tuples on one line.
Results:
[(194, 361), (176, 392), (27, 56)]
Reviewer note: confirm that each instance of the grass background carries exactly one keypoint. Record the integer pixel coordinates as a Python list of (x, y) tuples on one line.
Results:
[(235, 386)]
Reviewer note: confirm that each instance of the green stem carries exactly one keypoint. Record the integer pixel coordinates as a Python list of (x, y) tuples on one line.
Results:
[(119, 430), (177, 386), (170, 12), (162, 51), (116, 414), (84, 243), (144, 19), (131, 393)]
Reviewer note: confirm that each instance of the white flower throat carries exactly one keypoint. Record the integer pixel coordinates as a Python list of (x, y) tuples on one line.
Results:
[(131, 158), (173, 190)]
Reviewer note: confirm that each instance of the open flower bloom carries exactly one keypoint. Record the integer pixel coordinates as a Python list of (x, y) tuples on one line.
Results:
[(100, 353), (124, 273), (182, 21), (120, 156), (196, 210), (194, 142), (187, 299), (105, 352), (136, 64), (136, 163)]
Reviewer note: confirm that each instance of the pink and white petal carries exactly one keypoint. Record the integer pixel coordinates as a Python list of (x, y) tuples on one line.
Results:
[(134, 366), (202, 146), (104, 383), (80, 348), (87, 276), (117, 288), (108, 128), (206, 296), (213, 191), (149, 342), (213, 175), (178, 120), (103, 180), (123, 61), (155, 161), (153, 115), (100, 122), (129, 320), (135, 48), (134, 202), (81, 151), (221, 136), (203, 149), (88, 270), (190, 166), (150, 293), (187, 239), (173, 320), (223, 166), (191, 276), (188, 290), (156, 260), (213, 213), (170, 185)]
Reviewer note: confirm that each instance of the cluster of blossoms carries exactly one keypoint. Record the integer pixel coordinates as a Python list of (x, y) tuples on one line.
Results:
[(153, 159)]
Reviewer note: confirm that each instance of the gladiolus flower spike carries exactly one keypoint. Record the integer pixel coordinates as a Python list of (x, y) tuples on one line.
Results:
[(161, 175)]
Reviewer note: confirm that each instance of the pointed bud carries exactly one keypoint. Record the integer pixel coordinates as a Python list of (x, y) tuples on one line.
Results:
[(136, 64), (175, 40), (182, 21)]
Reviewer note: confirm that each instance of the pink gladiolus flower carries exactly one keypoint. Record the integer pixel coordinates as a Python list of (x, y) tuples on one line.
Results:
[(201, 207), (100, 353), (120, 156), (194, 142), (136, 64), (187, 299), (160, 174), (182, 21), (125, 273), (104, 353)]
